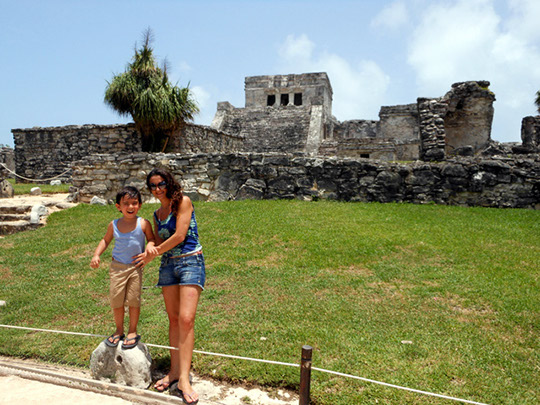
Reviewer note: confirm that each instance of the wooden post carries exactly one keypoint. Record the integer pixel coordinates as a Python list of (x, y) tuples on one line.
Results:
[(305, 375)]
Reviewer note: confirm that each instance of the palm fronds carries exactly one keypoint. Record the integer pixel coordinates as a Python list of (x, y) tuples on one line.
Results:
[(144, 92)]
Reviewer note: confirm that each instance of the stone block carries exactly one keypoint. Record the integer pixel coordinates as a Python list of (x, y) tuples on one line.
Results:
[(37, 212), (6, 189), (131, 367)]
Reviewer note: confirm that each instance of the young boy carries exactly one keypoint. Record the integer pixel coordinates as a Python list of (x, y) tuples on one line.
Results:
[(129, 233)]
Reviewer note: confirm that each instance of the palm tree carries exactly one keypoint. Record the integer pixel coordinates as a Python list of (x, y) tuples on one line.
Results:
[(143, 91), (537, 101)]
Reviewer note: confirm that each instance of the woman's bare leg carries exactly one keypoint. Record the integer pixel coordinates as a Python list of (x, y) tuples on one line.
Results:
[(189, 299), (171, 295)]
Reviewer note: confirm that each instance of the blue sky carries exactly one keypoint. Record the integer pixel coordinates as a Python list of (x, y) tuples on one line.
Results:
[(58, 54)]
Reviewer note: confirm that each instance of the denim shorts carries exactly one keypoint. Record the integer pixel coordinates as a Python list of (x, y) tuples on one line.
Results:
[(187, 270)]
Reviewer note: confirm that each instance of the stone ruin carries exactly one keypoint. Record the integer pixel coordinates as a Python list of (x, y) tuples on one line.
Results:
[(293, 113), (7, 162), (290, 117)]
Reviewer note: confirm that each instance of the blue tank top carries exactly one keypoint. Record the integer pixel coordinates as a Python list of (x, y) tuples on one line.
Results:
[(127, 245), (166, 229)]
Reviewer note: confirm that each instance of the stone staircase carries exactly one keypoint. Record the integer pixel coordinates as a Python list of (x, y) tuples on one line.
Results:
[(15, 213)]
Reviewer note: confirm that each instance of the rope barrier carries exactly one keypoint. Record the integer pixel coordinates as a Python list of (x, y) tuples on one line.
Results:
[(396, 386), (26, 178), (264, 361)]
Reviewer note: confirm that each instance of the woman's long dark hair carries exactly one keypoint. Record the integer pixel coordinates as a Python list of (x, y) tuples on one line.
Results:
[(174, 189)]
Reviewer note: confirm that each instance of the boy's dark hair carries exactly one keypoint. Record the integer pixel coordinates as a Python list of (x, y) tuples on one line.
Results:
[(131, 192)]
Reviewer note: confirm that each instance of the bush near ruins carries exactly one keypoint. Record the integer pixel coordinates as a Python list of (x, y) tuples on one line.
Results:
[(537, 101), (143, 91)]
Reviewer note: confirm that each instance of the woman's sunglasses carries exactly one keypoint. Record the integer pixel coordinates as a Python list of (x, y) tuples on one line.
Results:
[(161, 185)]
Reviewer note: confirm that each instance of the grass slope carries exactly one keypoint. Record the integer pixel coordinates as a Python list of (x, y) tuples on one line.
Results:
[(437, 298)]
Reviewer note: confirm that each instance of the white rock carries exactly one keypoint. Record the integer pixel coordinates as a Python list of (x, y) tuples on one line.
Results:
[(35, 191), (56, 182), (6, 189), (37, 212), (97, 201), (131, 367)]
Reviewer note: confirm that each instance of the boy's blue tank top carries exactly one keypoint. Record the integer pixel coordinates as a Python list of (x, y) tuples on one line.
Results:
[(166, 229), (127, 245)]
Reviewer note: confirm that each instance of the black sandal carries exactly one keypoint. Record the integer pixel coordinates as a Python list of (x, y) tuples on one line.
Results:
[(114, 342), (131, 345)]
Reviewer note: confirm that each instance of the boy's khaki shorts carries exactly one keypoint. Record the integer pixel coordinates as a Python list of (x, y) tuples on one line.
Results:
[(125, 285)]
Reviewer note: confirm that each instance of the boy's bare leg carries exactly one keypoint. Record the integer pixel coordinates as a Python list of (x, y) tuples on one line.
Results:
[(118, 314), (134, 313)]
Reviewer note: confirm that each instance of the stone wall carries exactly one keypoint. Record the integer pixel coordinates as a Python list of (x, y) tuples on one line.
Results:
[(432, 133), (42, 153), (399, 123), (202, 139), (267, 129), (355, 129), (312, 89), (469, 115), (7, 158), (530, 135), (501, 182)]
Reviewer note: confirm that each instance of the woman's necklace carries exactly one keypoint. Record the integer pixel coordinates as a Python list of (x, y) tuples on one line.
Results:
[(164, 211)]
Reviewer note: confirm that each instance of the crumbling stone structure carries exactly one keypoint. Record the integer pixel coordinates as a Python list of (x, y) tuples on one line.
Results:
[(495, 182), (285, 143), (283, 113), (42, 153), (7, 160), (293, 113), (530, 135)]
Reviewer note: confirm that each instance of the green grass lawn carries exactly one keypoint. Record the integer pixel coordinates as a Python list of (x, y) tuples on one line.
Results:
[(24, 188), (437, 298)]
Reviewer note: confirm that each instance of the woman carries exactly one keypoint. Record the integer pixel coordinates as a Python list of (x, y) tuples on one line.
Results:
[(181, 274)]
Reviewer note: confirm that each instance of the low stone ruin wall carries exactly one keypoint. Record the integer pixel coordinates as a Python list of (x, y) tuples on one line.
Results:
[(42, 153), (202, 139), (7, 160), (530, 135), (503, 182)]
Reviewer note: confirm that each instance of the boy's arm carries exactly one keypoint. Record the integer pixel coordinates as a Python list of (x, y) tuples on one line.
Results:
[(150, 252), (150, 238), (102, 246)]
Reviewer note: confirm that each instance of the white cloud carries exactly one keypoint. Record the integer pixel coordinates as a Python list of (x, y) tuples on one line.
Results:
[(525, 19), (391, 17), (300, 47), (468, 40), (207, 108), (358, 88)]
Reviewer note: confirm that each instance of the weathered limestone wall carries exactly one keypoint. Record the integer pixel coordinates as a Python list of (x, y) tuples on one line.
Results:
[(432, 131), (42, 153), (355, 129), (469, 115), (268, 129), (202, 139), (7, 158), (315, 89), (530, 135), (399, 123), (216, 177)]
